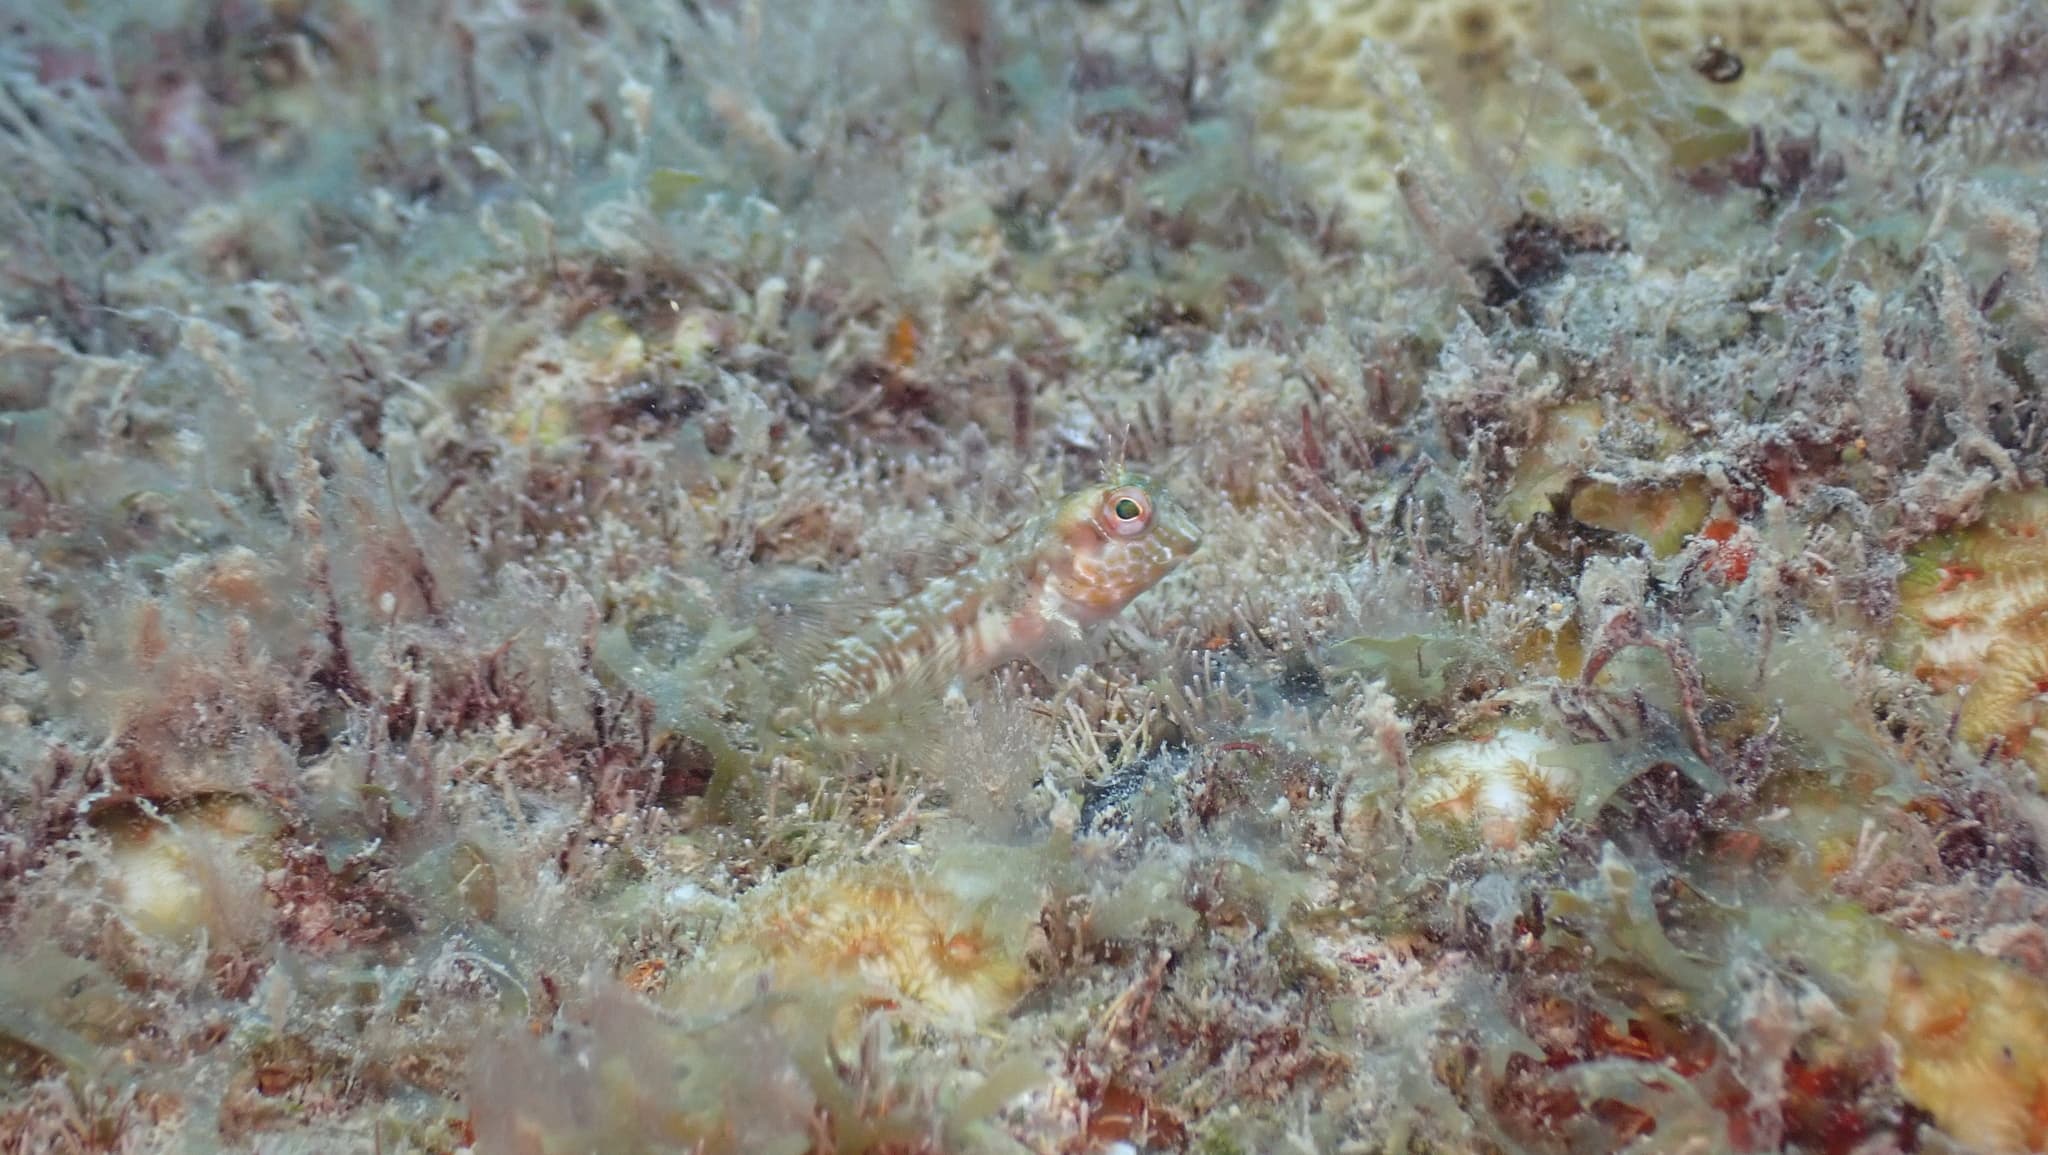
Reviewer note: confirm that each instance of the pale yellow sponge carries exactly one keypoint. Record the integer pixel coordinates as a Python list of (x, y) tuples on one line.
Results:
[(198, 868), (1356, 86)]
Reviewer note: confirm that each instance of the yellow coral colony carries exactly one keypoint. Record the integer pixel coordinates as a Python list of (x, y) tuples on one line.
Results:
[(1974, 617), (864, 938), (1969, 1033), (1340, 112)]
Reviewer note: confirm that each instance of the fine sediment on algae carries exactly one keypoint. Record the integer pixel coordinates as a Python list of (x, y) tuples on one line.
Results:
[(1592, 701)]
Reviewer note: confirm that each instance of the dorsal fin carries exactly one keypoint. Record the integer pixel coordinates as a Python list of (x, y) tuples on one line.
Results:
[(1119, 452)]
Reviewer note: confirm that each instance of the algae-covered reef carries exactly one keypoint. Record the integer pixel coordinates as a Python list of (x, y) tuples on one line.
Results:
[(506, 508)]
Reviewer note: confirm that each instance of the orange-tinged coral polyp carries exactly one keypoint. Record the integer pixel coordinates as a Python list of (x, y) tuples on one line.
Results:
[(1498, 787)]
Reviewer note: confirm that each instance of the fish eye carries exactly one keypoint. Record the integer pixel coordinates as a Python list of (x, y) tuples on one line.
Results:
[(1130, 511)]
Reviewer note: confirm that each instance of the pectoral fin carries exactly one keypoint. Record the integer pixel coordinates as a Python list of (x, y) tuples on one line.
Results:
[(1066, 645)]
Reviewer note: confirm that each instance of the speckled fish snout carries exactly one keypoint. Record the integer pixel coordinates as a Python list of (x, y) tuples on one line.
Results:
[(1171, 540), (1176, 531)]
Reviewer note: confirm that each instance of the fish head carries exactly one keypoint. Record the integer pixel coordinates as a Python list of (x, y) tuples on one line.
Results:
[(1113, 541)]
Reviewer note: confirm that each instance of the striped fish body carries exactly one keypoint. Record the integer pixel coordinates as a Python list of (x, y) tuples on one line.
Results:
[(1046, 584)]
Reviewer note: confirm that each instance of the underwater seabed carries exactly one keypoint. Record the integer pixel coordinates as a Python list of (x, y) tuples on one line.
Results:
[(1343, 577)]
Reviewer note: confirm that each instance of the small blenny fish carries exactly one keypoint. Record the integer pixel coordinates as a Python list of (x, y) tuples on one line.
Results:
[(1041, 587)]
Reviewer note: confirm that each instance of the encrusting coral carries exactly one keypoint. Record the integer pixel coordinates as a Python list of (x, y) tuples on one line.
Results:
[(872, 937), (981, 576), (1966, 1030), (1360, 87), (1972, 605)]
